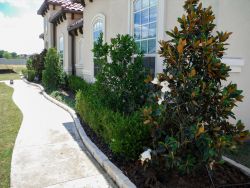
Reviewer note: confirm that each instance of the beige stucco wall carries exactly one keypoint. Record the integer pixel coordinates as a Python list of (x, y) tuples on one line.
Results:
[(116, 21), (79, 55), (48, 36), (62, 31), (233, 16)]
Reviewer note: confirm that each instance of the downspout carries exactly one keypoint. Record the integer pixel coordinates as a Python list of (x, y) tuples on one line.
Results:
[(54, 35)]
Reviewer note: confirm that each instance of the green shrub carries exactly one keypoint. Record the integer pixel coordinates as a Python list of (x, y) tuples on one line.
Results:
[(29, 64), (191, 109), (31, 75), (25, 73), (76, 83), (120, 83), (36, 63), (53, 76), (126, 135)]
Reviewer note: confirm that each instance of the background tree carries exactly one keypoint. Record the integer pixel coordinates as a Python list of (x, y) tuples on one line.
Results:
[(14, 55), (191, 108), (7, 55), (1, 53)]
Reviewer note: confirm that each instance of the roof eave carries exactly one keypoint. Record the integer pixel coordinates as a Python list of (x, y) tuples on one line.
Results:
[(60, 13)]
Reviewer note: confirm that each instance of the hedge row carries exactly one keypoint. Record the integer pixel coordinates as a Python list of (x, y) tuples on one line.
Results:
[(126, 135)]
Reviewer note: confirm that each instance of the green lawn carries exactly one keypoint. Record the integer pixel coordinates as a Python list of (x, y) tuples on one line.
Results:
[(10, 121), (11, 76)]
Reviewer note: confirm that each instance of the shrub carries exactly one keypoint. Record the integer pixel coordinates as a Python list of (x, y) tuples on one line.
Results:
[(53, 76), (31, 75), (29, 65), (36, 63), (126, 136), (120, 83), (76, 83), (25, 73), (190, 118)]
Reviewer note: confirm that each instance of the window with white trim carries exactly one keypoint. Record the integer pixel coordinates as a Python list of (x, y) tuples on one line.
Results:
[(98, 28), (145, 29), (61, 48)]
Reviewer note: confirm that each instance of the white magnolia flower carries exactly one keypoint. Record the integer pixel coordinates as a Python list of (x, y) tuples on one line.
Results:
[(165, 87), (160, 101), (155, 81), (146, 156)]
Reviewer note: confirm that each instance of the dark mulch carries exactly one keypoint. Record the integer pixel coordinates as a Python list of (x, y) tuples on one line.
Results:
[(223, 175), (6, 71)]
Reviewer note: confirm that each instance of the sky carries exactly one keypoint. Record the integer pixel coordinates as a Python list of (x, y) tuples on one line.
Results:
[(20, 26)]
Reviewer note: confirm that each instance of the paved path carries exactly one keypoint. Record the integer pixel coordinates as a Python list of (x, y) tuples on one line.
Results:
[(48, 151)]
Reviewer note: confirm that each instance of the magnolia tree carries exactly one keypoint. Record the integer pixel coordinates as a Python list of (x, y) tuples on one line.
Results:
[(190, 108)]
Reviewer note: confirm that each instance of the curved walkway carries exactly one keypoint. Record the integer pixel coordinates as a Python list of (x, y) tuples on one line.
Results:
[(48, 151)]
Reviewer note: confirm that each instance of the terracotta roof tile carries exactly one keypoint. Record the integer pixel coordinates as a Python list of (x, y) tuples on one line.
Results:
[(72, 6), (60, 2), (69, 5)]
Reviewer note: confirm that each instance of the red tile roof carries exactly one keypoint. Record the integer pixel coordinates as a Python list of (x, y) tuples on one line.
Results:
[(59, 2), (68, 5), (72, 6)]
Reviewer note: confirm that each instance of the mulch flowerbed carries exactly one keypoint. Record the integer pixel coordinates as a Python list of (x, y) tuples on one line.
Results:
[(222, 176)]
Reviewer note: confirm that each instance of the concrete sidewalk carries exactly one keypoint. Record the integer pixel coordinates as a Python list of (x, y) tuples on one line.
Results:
[(48, 151)]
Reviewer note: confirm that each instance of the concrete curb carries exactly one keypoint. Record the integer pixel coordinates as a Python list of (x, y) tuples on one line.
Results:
[(113, 171), (241, 167)]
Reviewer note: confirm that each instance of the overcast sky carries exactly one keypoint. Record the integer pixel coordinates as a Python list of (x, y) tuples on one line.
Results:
[(20, 26)]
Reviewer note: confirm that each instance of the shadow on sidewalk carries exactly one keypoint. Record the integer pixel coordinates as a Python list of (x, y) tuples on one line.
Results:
[(70, 127)]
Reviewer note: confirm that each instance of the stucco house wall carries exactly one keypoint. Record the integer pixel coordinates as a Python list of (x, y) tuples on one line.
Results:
[(62, 31), (54, 30), (117, 16), (116, 20), (79, 49), (230, 15), (48, 33)]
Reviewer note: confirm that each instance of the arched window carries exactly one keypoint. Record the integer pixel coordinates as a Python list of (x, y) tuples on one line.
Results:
[(145, 29), (61, 48), (98, 28)]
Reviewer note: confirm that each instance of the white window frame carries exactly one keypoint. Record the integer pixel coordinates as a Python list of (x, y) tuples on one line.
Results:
[(59, 47), (132, 25), (97, 18)]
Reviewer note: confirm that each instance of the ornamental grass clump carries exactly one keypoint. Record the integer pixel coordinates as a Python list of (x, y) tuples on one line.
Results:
[(190, 108)]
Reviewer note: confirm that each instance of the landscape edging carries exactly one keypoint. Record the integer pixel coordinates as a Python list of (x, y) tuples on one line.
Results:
[(113, 171), (241, 167)]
